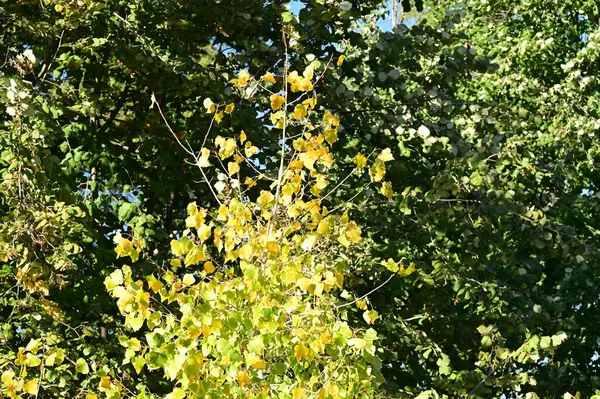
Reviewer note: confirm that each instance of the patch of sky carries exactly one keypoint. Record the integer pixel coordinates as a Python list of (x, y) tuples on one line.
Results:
[(384, 23)]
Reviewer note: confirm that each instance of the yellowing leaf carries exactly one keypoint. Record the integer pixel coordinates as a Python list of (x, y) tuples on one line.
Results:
[(242, 137), (297, 393), (407, 271), (360, 161), (377, 170), (340, 60), (386, 155), (175, 262), (81, 366), (390, 265), (243, 78), (7, 377), (353, 232), (331, 135), (31, 387), (229, 108), (104, 382), (259, 364), (370, 316), (209, 105), (268, 77), (309, 243), (91, 396), (32, 360), (33, 346), (243, 378), (358, 343), (386, 190), (299, 111), (203, 161), (188, 279), (219, 117), (300, 351), (233, 168), (209, 267), (277, 102), (362, 305)]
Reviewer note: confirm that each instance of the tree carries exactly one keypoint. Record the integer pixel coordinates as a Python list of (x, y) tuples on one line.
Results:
[(504, 234), (489, 192)]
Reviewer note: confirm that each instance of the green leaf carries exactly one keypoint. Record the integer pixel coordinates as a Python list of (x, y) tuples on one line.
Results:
[(138, 363), (81, 366)]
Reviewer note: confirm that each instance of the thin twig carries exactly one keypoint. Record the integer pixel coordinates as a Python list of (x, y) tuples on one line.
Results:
[(366, 295)]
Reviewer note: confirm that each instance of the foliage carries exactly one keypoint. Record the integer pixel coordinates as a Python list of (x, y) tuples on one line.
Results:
[(117, 115)]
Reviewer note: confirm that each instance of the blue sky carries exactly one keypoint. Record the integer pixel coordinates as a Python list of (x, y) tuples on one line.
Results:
[(296, 6)]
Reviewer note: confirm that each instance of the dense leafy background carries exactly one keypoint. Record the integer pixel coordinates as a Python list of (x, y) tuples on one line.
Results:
[(491, 110)]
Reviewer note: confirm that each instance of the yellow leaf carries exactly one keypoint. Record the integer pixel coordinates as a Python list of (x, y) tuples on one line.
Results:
[(309, 243), (377, 170), (386, 190), (300, 351), (407, 271), (331, 135), (309, 72), (242, 137), (219, 117), (229, 108), (31, 387), (243, 378), (105, 382), (386, 155), (324, 227), (353, 232), (175, 262), (188, 279), (223, 212), (362, 305), (203, 161), (91, 396), (209, 105), (299, 111), (277, 101), (204, 232), (195, 221), (304, 85), (360, 161), (33, 346), (268, 77), (32, 360), (192, 208), (243, 78), (297, 393), (209, 267), (7, 377), (370, 316), (265, 197), (250, 151), (246, 251), (358, 343), (340, 60), (390, 265), (259, 364), (233, 168), (310, 102)]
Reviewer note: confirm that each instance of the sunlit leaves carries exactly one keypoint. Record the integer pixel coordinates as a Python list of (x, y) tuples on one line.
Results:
[(277, 101)]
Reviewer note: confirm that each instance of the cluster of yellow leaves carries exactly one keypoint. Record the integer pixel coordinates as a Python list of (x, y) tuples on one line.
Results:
[(255, 285), (128, 247), (30, 359), (218, 110)]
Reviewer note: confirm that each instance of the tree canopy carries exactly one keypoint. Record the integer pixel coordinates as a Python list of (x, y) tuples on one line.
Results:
[(206, 199)]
